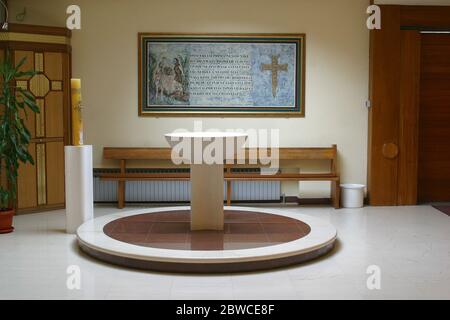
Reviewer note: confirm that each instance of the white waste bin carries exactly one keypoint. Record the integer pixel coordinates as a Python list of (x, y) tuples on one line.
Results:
[(352, 195)]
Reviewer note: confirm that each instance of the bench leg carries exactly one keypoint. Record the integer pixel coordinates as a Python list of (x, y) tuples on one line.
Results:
[(336, 194), (121, 195), (121, 187), (228, 193)]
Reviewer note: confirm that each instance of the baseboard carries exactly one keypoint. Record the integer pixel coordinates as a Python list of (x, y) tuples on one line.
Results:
[(20, 212), (186, 202), (308, 201), (295, 200)]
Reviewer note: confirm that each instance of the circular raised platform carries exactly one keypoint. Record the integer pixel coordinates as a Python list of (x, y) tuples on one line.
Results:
[(160, 239), (172, 230)]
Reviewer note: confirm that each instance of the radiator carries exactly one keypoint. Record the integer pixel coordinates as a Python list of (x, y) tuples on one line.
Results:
[(179, 191)]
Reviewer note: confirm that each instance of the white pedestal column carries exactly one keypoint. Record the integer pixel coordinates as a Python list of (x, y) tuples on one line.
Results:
[(206, 197), (79, 186)]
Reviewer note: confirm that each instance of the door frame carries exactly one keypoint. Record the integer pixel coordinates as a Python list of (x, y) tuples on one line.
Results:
[(394, 92)]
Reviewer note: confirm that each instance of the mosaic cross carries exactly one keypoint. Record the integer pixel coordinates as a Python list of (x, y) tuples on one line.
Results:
[(274, 67)]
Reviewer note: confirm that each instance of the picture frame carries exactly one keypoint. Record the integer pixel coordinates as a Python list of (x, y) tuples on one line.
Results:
[(221, 75)]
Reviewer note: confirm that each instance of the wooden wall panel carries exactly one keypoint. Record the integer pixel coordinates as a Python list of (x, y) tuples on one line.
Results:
[(426, 16), (67, 74), (40, 118), (53, 65), (41, 187), (54, 117), (41, 173), (384, 113), (434, 132), (409, 118), (27, 183), (55, 173)]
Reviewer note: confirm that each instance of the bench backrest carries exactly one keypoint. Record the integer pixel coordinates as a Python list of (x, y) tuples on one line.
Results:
[(165, 153)]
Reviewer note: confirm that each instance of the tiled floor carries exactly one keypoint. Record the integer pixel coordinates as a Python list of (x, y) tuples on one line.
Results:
[(410, 245), (171, 230)]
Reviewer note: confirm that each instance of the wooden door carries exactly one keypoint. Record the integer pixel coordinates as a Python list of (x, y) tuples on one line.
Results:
[(41, 186), (394, 83), (434, 119)]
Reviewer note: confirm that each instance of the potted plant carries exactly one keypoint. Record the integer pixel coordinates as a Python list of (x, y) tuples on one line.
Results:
[(15, 102)]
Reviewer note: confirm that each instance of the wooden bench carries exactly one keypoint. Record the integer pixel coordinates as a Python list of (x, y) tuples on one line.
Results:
[(164, 154)]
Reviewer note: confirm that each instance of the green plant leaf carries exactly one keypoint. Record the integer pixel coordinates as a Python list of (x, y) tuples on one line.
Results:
[(21, 62), (21, 74), (14, 136)]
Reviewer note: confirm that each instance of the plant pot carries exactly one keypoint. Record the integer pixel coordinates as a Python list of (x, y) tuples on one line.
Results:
[(6, 220)]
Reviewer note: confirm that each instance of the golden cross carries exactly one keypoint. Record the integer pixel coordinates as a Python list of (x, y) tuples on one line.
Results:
[(274, 67)]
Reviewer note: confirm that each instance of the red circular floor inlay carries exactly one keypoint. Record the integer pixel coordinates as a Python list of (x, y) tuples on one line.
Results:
[(171, 230)]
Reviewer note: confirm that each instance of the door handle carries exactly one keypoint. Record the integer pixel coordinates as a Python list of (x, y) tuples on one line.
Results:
[(390, 150)]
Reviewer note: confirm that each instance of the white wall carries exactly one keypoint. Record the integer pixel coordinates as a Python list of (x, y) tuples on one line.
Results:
[(337, 57)]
